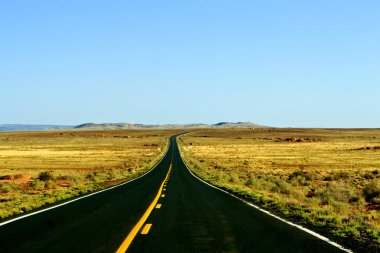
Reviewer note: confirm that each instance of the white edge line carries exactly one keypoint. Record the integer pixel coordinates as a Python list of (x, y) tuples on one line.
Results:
[(323, 238), (86, 196)]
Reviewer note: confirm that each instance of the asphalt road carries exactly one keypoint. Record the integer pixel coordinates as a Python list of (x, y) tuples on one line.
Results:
[(192, 217)]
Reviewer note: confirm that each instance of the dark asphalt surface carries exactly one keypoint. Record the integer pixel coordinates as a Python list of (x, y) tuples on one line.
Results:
[(193, 218)]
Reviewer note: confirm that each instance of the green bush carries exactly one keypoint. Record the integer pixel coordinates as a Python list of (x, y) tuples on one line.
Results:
[(50, 184), (5, 188), (249, 182), (233, 178), (368, 175), (300, 178), (282, 187), (354, 199), (300, 173), (336, 192), (372, 191), (45, 176), (342, 175), (37, 184)]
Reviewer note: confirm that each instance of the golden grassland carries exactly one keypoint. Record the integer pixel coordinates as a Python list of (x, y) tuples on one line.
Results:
[(327, 179), (41, 168)]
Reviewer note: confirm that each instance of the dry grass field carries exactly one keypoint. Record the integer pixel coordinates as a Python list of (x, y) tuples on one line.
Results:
[(327, 179), (40, 168)]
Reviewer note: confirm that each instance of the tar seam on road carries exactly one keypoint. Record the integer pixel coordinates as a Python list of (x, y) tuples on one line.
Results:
[(86, 196), (128, 240), (323, 238)]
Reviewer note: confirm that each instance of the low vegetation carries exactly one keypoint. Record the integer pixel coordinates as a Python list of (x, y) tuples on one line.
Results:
[(41, 168), (326, 179)]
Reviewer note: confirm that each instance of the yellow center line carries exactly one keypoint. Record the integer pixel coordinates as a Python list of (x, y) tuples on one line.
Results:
[(163, 196), (158, 206), (128, 240), (146, 229)]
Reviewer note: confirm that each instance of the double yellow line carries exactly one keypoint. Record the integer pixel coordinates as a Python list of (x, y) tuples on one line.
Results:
[(128, 240)]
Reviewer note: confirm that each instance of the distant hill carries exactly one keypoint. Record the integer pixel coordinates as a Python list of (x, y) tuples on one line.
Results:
[(237, 124), (125, 126), (26, 127), (120, 126), (111, 126)]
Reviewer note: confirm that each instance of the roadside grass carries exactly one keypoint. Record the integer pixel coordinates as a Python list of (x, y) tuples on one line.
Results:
[(41, 168), (326, 179)]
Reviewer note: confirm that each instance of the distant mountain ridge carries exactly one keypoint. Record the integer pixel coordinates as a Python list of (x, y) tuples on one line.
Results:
[(120, 126), (30, 127), (124, 126), (237, 124)]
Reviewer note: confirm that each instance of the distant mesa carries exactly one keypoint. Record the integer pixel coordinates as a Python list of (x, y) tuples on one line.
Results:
[(125, 126), (221, 123), (237, 124), (110, 126), (117, 126), (85, 125)]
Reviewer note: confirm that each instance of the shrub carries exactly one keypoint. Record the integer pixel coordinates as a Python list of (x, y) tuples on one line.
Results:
[(249, 182), (111, 175), (45, 176), (37, 184), (299, 178), (49, 184), (334, 192), (372, 191), (368, 175), (354, 199), (92, 176), (342, 175), (233, 178), (300, 173), (281, 187), (4, 188)]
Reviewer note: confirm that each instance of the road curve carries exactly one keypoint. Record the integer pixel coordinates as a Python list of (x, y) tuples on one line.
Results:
[(169, 210)]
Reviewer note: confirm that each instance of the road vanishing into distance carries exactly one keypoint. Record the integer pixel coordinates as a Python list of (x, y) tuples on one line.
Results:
[(166, 210)]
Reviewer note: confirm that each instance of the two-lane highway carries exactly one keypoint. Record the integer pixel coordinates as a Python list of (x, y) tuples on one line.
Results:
[(167, 210), (98, 223)]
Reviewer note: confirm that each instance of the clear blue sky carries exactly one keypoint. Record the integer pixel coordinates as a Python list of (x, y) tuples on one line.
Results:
[(306, 63)]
